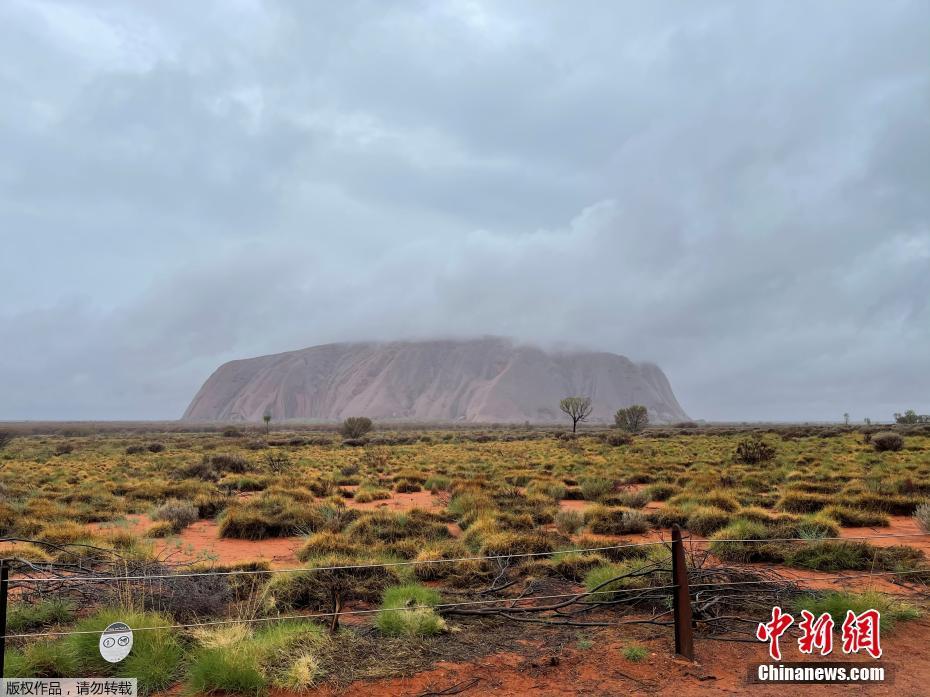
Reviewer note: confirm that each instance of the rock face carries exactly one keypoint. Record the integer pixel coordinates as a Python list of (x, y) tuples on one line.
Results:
[(488, 380)]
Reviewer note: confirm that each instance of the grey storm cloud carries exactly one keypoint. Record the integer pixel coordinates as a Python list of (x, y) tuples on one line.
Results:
[(739, 192)]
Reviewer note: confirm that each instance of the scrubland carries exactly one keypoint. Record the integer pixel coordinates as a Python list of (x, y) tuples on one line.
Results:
[(378, 537)]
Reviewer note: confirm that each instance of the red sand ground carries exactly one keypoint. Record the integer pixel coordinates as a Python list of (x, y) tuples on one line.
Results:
[(721, 669), (399, 502)]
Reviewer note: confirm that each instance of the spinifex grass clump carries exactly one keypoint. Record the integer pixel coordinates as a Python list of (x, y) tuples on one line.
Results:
[(837, 604), (387, 527), (177, 514), (28, 616), (887, 441), (155, 659), (407, 610), (238, 659), (922, 515), (604, 520)]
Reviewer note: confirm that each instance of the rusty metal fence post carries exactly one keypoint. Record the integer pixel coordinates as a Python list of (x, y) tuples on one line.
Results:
[(681, 598)]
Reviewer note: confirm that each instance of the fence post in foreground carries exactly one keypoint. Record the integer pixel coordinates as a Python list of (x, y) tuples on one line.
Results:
[(681, 598), (4, 591)]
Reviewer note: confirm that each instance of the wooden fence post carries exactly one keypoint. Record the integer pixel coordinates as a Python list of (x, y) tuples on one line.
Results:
[(681, 598)]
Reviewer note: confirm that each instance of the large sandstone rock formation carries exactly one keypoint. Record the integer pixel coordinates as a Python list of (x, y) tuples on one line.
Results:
[(488, 380)]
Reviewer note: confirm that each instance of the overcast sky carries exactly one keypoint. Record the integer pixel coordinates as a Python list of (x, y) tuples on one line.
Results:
[(737, 191)]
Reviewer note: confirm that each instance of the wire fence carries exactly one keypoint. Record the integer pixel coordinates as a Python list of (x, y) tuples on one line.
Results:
[(417, 562), (516, 603)]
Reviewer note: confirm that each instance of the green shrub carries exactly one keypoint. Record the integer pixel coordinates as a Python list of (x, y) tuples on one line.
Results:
[(706, 520), (661, 491), (836, 604), (405, 486), (503, 544), (177, 513), (407, 610), (42, 659), (744, 552), (574, 566), (232, 670), (854, 555), (602, 520), (322, 543), (24, 617), (635, 653), (355, 427), (922, 515), (569, 522), (754, 450), (155, 657), (887, 441), (437, 482), (595, 489), (366, 494), (386, 527), (850, 517), (632, 573), (316, 588)]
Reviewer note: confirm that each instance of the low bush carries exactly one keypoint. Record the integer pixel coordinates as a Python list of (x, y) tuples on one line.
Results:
[(922, 515), (407, 611), (366, 494), (635, 653), (23, 617), (569, 522), (725, 548), (603, 520), (850, 517), (706, 520), (323, 543), (355, 427), (503, 544), (387, 527), (884, 441), (177, 513), (234, 660), (754, 450), (575, 566), (837, 604), (276, 515), (317, 588), (437, 482), (156, 654), (596, 489)]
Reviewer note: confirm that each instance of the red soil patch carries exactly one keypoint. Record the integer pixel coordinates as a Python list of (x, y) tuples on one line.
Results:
[(722, 668), (201, 542), (399, 502), (574, 505), (898, 525)]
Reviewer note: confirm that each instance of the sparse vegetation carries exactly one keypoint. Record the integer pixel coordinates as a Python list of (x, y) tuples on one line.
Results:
[(884, 441), (494, 493), (355, 427), (632, 419)]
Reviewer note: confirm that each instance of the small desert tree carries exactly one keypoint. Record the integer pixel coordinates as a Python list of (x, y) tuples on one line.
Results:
[(266, 417), (846, 418), (577, 408), (632, 419), (5, 439), (355, 427)]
